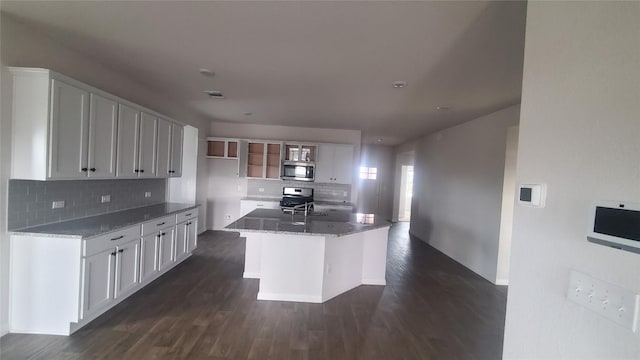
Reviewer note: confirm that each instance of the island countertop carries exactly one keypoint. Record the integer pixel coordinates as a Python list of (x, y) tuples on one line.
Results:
[(101, 224), (329, 223)]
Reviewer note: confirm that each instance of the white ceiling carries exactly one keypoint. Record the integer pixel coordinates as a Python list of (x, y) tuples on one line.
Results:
[(314, 64)]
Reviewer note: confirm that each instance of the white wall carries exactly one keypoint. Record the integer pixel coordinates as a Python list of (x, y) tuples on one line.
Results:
[(5, 169), (225, 189), (579, 134), (405, 158), (458, 177)]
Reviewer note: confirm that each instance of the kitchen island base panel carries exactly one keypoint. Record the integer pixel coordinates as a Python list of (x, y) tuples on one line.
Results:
[(314, 268)]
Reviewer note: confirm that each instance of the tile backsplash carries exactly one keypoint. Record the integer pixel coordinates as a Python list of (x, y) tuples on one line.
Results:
[(30, 202), (321, 191)]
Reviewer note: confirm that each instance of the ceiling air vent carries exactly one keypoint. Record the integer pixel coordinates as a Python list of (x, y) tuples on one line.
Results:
[(215, 94)]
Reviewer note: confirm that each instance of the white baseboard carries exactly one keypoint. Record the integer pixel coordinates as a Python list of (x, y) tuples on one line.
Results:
[(251, 275), (374, 282), (502, 282), (290, 297), (4, 329)]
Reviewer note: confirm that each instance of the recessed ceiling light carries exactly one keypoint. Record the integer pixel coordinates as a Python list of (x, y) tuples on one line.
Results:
[(379, 140), (214, 94), (207, 72), (442, 108), (399, 84), (247, 113)]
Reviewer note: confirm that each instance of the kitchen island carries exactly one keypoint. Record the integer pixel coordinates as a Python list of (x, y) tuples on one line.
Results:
[(314, 258)]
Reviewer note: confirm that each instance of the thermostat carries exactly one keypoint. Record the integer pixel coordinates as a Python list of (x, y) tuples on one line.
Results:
[(532, 194)]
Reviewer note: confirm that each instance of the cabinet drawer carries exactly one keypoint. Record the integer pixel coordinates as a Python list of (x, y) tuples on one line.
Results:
[(152, 226), (110, 240), (186, 215)]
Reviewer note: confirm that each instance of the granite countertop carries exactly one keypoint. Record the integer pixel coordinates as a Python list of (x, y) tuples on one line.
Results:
[(330, 223), (101, 224), (262, 198)]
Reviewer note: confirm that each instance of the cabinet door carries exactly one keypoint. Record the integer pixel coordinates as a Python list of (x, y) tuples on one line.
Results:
[(103, 122), (147, 145), (181, 240), (164, 148), (324, 163), (149, 257), (127, 267), (98, 273), (127, 148), (343, 164), (177, 135), (69, 131), (166, 257), (192, 235)]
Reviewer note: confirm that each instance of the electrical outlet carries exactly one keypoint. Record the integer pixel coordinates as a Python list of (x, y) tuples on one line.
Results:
[(105, 198), (57, 204), (611, 301), (147, 194), (344, 193), (260, 189), (227, 217)]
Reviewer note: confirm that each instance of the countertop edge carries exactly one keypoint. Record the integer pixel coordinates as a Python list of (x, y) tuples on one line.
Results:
[(19, 232), (372, 227)]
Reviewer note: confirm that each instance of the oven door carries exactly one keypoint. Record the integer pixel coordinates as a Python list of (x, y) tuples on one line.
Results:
[(298, 171)]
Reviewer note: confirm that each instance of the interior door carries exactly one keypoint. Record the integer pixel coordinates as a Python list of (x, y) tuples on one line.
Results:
[(127, 140), (369, 197), (147, 145), (128, 265), (177, 135), (98, 272), (103, 123), (149, 256), (69, 130), (164, 148)]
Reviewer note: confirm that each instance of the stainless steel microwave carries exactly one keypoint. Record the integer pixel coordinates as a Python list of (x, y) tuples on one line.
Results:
[(298, 170)]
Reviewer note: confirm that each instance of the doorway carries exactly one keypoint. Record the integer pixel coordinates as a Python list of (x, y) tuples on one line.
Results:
[(406, 193)]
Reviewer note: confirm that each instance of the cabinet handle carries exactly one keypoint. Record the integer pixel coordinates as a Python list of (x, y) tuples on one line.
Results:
[(113, 253), (162, 223), (121, 251), (163, 234), (117, 238), (92, 169), (84, 169), (159, 236), (141, 170), (189, 214), (136, 170)]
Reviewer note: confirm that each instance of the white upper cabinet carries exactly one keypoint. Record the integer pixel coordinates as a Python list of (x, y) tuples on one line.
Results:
[(103, 124), (64, 129), (128, 133), (334, 164), (69, 124), (147, 145), (164, 148), (177, 135)]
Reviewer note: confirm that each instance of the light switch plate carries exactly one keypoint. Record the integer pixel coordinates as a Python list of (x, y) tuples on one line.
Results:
[(611, 301), (105, 198), (57, 204), (147, 194)]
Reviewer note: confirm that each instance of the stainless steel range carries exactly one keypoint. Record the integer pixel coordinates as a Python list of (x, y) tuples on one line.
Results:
[(297, 200)]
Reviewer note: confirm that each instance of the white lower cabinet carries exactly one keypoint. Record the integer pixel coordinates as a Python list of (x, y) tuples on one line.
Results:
[(149, 257), (59, 284), (98, 273)]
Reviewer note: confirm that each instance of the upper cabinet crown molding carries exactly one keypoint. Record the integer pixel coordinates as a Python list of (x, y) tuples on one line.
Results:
[(65, 129)]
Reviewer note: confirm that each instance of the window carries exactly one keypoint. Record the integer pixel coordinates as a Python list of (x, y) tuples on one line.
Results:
[(365, 218), (369, 173)]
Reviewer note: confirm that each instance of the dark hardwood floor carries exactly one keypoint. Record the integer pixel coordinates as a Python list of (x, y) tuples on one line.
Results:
[(431, 308)]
